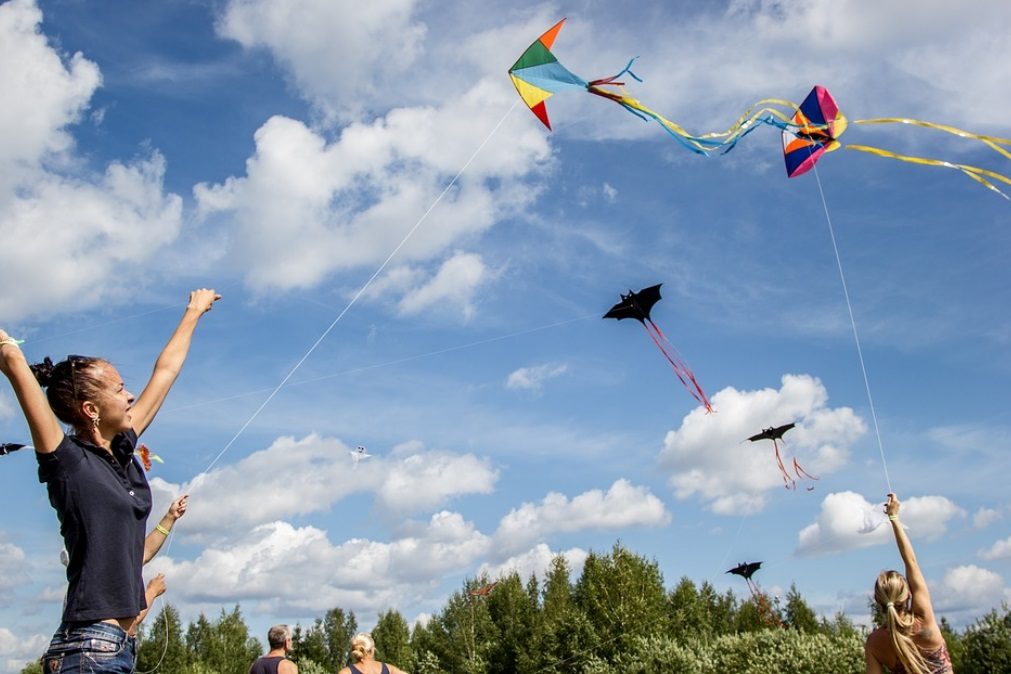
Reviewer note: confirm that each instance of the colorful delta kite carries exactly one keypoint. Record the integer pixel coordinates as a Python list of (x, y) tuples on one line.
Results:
[(746, 571), (637, 306), (776, 435), (537, 75), (809, 130), (483, 591), (818, 123)]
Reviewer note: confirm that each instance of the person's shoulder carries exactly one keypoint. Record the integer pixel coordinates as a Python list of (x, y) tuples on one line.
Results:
[(346, 670), (286, 666), (878, 636)]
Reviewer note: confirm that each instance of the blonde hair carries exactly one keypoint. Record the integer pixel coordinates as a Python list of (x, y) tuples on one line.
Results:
[(362, 645), (891, 592)]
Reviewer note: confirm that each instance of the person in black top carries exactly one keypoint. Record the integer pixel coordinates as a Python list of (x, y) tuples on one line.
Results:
[(275, 661), (97, 487)]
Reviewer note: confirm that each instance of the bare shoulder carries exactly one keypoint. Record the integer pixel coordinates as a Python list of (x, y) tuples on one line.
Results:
[(287, 667), (346, 670)]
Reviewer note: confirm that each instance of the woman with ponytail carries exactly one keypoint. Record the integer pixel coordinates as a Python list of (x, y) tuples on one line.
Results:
[(910, 641), (98, 489), (363, 658)]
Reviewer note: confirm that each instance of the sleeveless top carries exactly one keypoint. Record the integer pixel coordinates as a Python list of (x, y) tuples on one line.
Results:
[(266, 665), (355, 670), (938, 662)]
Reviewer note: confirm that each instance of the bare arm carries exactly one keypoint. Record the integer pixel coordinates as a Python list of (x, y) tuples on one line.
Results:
[(287, 667), (155, 589), (171, 360), (921, 605), (873, 666), (42, 423), (157, 537)]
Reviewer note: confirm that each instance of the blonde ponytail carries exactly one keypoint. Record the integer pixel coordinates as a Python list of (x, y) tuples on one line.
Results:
[(891, 593)]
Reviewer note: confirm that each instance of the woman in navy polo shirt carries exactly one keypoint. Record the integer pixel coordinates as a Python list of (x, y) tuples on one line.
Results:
[(98, 489)]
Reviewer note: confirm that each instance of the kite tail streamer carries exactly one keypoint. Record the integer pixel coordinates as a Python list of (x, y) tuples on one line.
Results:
[(788, 482), (681, 369), (973, 172), (992, 142), (800, 472)]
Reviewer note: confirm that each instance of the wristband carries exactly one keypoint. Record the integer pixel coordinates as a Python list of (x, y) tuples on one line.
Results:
[(893, 518), (162, 529), (11, 341)]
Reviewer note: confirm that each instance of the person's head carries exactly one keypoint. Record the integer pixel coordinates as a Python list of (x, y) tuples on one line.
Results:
[(279, 636), (362, 646), (86, 393), (892, 595)]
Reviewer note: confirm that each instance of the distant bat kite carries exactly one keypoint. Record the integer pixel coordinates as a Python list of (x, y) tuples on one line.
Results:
[(358, 455), (637, 305), (8, 447), (776, 435), (745, 571), (483, 591)]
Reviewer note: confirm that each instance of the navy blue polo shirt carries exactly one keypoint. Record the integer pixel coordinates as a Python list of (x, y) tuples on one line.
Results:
[(102, 501)]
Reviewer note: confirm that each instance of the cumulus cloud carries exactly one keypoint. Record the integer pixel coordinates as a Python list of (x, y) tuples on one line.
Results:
[(410, 480), (845, 514), (533, 378), (999, 550), (17, 651), (984, 517), (307, 207), (535, 562), (99, 230), (13, 566), (453, 285), (307, 572), (330, 48), (706, 455), (969, 590), (623, 505)]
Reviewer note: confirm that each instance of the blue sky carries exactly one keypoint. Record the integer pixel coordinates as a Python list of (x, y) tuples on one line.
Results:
[(280, 151)]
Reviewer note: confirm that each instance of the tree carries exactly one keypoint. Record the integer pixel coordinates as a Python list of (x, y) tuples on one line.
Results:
[(797, 614), (393, 640), (33, 667), (338, 629), (225, 646), (623, 597), (512, 613), (161, 645), (987, 644)]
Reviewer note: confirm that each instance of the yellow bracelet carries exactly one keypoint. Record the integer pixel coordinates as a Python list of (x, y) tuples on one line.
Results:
[(162, 529), (893, 518)]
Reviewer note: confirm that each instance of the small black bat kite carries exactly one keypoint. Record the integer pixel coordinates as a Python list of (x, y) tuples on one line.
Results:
[(775, 433), (8, 447), (637, 305), (746, 570)]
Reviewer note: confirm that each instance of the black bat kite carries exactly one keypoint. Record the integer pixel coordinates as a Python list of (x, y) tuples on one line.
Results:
[(8, 447), (775, 434), (746, 570), (637, 305)]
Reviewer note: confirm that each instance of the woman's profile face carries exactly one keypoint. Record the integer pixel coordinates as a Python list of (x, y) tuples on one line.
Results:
[(114, 400)]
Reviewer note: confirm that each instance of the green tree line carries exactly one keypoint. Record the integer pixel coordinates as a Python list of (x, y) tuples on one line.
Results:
[(617, 616)]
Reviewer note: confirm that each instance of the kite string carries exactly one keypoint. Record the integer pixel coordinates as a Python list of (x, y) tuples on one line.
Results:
[(360, 292), (853, 323), (333, 324)]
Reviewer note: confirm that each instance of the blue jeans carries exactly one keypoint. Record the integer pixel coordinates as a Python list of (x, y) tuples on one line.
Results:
[(90, 648)]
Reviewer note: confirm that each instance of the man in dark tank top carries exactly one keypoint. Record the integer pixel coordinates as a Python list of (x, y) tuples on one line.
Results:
[(275, 662)]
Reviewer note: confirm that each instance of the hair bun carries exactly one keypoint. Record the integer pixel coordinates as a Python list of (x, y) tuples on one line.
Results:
[(43, 371)]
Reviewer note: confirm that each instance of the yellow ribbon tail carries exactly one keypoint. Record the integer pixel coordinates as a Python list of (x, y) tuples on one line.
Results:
[(980, 175), (992, 142)]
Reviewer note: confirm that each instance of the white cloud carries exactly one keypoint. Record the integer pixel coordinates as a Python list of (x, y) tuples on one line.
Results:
[(536, 561), (969, 590), (339, 54), (17, 651), (452, 286), (99, 231), (709, 456), (533, 378), (316, 470), (623, 505), (307, 208), (610, 193), (843, 515), (7, 408), (300, 567), (13, 566), (984, 517), (999, 550)]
